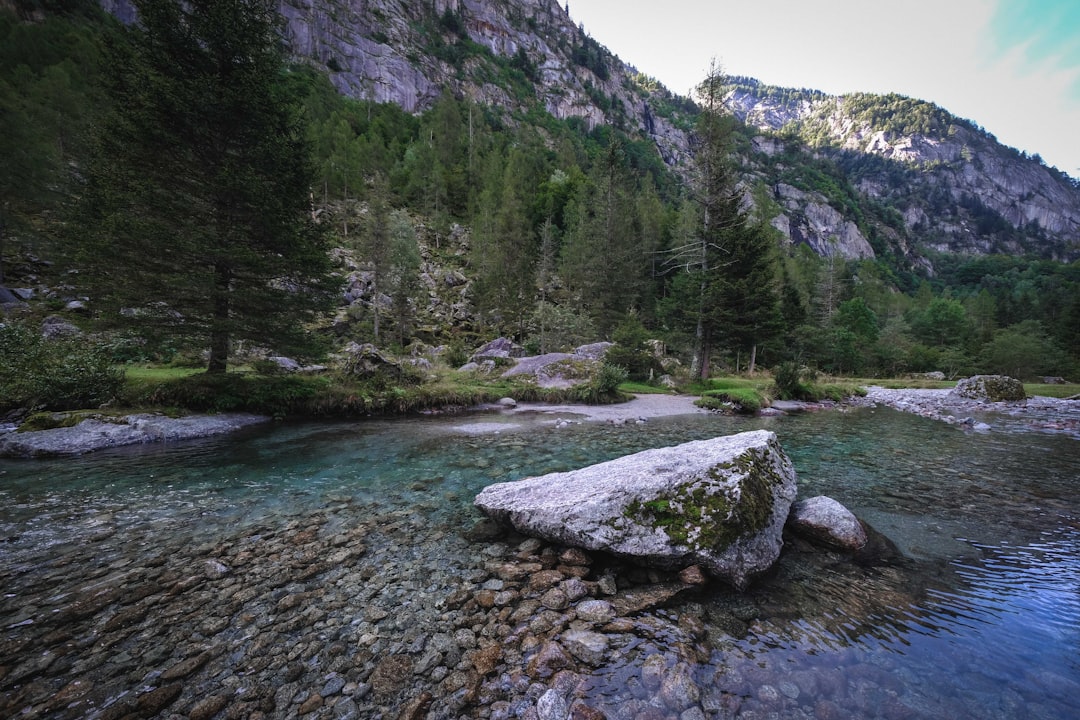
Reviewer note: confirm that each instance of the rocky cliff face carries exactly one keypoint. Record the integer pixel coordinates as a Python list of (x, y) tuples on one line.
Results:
[(956, 188), (505, 53), (945, 184)]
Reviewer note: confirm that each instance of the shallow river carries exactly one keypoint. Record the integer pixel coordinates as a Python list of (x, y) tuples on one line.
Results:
[(975, 615)]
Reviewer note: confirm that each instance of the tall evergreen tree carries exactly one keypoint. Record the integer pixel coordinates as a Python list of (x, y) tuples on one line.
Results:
[(196, 214), (733, 295)]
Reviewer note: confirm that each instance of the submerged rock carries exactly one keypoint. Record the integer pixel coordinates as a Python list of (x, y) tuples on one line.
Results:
[(718, 503), (994, 388), (825, 521)]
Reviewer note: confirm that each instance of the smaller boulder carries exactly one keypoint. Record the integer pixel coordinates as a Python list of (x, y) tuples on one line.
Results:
[(594, 351), (497, 348), (287, 364), (366, 360), (825, 521), (992, 388), (55, 327)]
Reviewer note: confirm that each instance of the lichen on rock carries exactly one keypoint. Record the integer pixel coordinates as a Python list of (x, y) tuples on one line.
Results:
[(992, 388), (718, 503)]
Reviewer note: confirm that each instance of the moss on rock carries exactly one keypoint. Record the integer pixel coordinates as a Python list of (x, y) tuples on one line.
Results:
[(993, 388), (714, 513)]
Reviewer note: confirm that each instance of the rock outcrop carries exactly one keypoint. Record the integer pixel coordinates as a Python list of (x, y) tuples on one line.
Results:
[(718, 503), (956, 188), (991, 388), (98, 433), (825, 521), (409, 53), (561, 370)]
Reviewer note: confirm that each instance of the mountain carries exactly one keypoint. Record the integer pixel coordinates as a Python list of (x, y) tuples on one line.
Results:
[(510, 54), (858, 176), (957, 189)]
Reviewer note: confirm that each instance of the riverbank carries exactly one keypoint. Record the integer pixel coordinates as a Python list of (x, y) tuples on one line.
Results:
[(1038, 413), (100, 431)]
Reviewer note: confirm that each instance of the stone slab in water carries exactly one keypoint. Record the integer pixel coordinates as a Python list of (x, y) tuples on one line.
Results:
[(718, 503), (107, 432)]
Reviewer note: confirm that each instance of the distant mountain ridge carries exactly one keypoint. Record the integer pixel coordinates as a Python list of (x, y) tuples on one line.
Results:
[(957, 188), (856, 176)]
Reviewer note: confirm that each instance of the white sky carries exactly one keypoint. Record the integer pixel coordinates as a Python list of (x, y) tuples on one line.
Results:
[(1020, 83)]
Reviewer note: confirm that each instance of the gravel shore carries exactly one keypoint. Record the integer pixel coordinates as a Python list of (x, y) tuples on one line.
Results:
[(1037, 413)]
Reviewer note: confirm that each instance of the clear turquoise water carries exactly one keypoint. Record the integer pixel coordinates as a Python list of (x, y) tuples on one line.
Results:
[(978, 615)]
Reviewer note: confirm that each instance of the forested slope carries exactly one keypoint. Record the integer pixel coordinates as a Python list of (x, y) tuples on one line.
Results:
[(473, 214)]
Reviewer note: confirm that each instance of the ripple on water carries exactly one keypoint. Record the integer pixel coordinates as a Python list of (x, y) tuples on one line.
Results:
[(976, 615)]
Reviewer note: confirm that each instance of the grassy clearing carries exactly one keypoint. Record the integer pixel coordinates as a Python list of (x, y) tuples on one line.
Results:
[(1055, 391), (639, 388), (334, 394), (733, 394)]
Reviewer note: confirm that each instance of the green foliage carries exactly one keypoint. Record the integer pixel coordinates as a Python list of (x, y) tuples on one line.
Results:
[(276, 395), (630, 350), (58, 374), (592, 55), (793, 382), (605, 386), (1024, 351), (49, 95), (897, 114), (741, 400), (197, 214)]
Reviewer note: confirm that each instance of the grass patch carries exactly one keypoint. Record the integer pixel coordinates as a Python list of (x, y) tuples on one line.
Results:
[(640, 388), (732, 394), (337, 395), (1064, 390)]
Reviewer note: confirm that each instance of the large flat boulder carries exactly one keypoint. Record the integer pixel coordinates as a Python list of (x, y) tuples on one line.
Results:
[(718, 503), (99, 433)]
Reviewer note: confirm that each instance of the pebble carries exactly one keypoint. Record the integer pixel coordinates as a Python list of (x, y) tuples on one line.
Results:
[(589, 647), (258, 623)]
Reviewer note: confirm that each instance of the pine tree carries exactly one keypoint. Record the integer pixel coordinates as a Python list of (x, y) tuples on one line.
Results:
[(196, 216), (732, 296)]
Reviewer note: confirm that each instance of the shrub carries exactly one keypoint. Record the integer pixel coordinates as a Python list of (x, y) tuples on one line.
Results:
[(605, 386), (61, 374), (793, 382), (739, 400)]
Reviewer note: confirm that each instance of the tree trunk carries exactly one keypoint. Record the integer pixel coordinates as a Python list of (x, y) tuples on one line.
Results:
[(375, 308), (219, 329), (753, 358), (706, 351)]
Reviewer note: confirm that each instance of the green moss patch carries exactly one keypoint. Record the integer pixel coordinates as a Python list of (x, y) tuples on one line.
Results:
[(711, 515)]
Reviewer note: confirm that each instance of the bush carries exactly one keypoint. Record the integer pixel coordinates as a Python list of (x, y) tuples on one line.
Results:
[(62, 374), (739, 400), (605, 386), (794, 382)]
